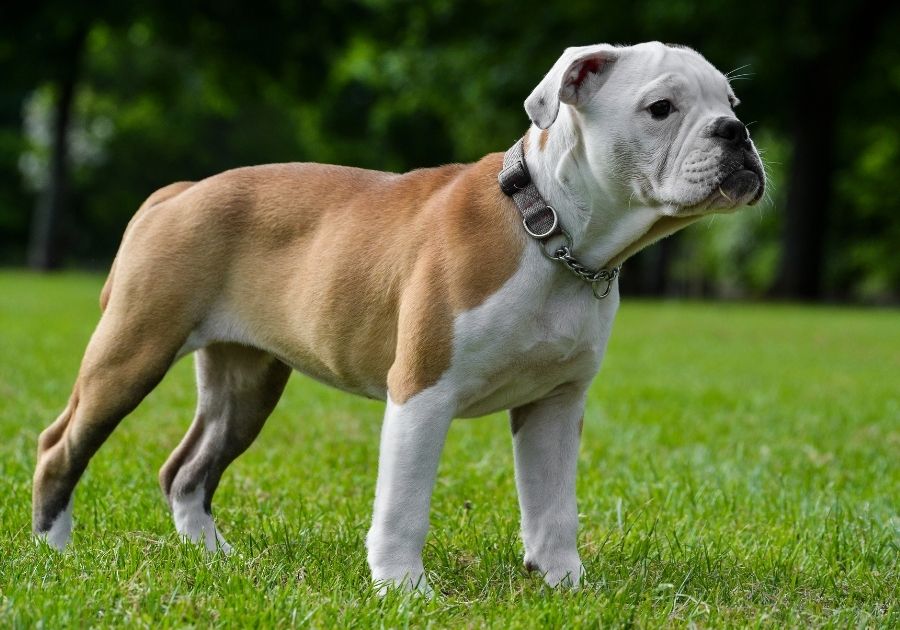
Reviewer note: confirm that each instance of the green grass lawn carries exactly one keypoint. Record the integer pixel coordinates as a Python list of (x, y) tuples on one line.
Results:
[(739, 466)]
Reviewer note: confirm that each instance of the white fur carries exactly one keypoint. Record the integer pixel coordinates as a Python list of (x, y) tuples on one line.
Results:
[(609, 169), (502, 358), (538, 342), (60, 531), (545, 445), (194, 524), (219, 325), (411, 441)]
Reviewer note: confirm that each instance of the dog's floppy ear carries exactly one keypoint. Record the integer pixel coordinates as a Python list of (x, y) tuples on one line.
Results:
[(574, 76)]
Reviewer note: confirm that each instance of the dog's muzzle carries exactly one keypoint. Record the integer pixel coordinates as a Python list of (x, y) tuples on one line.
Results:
[(744, 179)]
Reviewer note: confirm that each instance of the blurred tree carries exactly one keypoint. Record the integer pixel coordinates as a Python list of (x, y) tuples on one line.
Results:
[(54, 49), (43, 247), (277, 40), (164, 93), (825, 47), (51, 36)]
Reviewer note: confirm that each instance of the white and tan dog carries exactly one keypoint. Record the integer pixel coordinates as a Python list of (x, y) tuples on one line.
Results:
[(422, 289)]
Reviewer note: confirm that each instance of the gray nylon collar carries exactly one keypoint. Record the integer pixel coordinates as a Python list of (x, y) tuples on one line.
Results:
[(542, 223), (540, 220)]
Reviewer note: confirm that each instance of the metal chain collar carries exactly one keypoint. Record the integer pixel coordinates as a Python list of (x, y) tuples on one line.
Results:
[(599, 278), (542, 223)]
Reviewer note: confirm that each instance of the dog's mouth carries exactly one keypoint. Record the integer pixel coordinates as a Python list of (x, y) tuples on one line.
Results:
[(742, 184)]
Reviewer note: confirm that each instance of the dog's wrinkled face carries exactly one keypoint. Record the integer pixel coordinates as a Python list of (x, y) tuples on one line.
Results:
[(657, 125)]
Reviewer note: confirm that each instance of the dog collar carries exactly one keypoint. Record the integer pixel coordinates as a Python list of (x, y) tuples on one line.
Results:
[(542, 223)]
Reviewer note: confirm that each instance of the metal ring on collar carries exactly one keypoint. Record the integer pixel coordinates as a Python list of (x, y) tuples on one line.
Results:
[(555, 255), (548, 231), (605, 292), (604, 276)]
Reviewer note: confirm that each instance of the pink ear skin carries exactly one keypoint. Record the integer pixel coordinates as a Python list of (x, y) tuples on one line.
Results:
[(574, 76), (570, 92), (589, 66)]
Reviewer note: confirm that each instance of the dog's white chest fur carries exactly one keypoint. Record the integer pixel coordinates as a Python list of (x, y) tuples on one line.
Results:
[(543, 329)]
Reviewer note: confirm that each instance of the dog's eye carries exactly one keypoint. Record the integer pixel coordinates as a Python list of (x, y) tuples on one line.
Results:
[(660, 109)]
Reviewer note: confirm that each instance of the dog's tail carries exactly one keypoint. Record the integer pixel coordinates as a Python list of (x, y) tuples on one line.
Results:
[(163, 194)]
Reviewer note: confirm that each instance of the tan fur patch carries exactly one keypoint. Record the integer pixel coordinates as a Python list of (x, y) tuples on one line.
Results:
[(424, 347), (344, 273), (164, 193), (542, 139)]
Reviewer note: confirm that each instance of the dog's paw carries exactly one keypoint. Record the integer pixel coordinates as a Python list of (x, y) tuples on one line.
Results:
[(60, 531), (209, 537), (558, 574), (410, 582), (194, 524)]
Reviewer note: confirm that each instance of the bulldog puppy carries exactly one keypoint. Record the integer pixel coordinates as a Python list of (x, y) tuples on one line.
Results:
[(424, 289)]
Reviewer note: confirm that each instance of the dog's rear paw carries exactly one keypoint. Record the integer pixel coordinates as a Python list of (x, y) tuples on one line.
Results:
[(60, 531), (559, 574), (410, 583), (209, 537), (196, 525)]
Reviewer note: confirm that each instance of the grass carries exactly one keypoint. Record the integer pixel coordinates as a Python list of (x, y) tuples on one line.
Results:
[(739, 467)]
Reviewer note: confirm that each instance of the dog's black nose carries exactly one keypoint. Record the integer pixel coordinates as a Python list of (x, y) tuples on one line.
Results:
[(731, 130)]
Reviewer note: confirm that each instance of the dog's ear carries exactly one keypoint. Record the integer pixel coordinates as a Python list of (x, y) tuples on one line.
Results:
[(572, 79)]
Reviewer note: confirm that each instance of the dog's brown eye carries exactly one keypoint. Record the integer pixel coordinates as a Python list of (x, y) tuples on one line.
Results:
[(660, 109)]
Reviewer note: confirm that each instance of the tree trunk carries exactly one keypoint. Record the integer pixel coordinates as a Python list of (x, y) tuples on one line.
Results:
[(821, 81), (809, 185), (45, 245), (649, 272), (659, 282)]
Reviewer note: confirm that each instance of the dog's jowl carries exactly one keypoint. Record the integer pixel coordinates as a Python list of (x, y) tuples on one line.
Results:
[(448, 292)]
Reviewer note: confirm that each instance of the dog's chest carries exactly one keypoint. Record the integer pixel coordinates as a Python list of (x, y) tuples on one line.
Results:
[(527, 340)]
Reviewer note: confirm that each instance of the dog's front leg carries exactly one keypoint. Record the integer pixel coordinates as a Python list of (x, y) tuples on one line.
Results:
[(546, 435), (412, 438)]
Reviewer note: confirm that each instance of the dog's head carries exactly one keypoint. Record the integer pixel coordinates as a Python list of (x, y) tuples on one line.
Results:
[(657, 126)]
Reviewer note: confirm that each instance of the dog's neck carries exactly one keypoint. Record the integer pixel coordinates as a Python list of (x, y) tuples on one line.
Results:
[(605, 229)]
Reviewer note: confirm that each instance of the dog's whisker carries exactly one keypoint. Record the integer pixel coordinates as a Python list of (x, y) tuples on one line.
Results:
[(738, 69)]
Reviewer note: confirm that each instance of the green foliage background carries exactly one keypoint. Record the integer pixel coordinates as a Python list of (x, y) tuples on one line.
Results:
[(167, 92)]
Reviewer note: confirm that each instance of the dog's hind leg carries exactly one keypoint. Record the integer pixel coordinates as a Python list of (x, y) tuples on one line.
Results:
[(127, 356), (238, 387)]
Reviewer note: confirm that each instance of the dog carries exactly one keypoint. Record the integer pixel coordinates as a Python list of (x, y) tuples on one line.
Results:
[(449, 292)]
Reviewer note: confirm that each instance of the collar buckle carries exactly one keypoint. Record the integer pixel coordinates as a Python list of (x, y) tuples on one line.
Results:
[(514, 178)]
